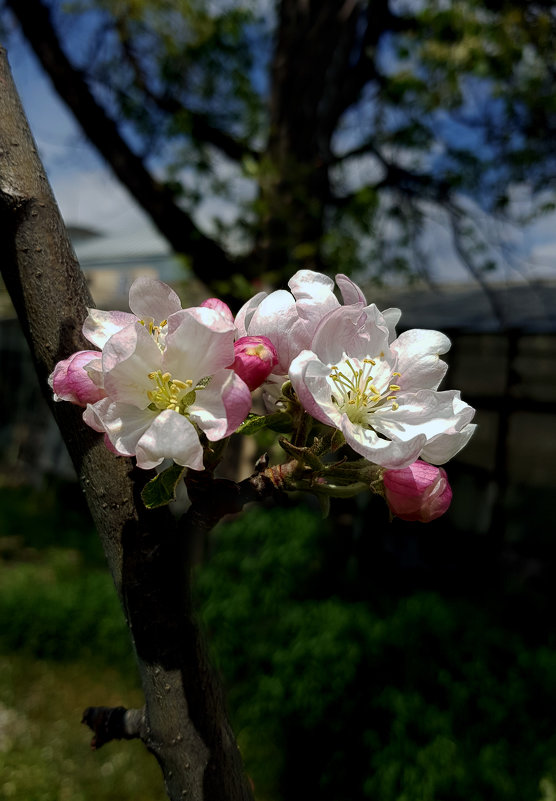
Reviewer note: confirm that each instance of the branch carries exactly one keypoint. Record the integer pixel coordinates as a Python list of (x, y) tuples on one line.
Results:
[(155, 198), (201, 126), (144, 550), (114, 723), (456, 218)]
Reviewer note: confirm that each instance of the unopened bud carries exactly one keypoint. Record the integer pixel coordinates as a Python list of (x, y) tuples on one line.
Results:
[(418, 492), (71, 382), (255, 358)]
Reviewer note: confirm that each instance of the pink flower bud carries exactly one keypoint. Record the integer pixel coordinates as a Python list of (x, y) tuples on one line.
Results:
[(418, 492), (255, 359), (71, 382), (219, 306)]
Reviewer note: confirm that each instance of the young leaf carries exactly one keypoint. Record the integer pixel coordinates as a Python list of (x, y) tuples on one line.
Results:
[(162, 489), (279, 421)]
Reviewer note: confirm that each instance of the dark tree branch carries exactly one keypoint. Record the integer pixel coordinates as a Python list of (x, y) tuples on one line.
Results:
[(201, 126), (185, 720), (457, 218), (114, 723), (209, 261)]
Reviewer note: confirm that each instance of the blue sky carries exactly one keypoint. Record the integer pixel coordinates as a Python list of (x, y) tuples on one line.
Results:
[(90, 196), (84, 186)]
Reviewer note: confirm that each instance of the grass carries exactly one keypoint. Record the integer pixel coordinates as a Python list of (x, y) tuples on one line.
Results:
[(44, 750), (63, 646)]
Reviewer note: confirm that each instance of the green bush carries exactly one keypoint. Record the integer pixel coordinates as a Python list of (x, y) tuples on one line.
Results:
[(57, 608), (422, 699)]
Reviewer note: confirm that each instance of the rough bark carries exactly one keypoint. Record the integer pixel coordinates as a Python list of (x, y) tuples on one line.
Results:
[(185, 721), (323, 58)]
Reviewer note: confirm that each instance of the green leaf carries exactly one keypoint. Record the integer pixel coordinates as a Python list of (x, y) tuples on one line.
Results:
[(162, 489), (279, 421)]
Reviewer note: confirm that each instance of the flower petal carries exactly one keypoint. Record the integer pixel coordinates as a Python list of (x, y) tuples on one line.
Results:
[(123, 423), (151, 299), (170, 436), (419, 358), (245, 314), (255, 359), (442, 447), (392, 318), (100, 325), (274, 318), (311, 381), (393, 454), (219, 306), (417, 492), (350, 292), (127, 359), (310, 285), (199, 342), (352, 330), (425, 412), (70, 380), (222, 405)]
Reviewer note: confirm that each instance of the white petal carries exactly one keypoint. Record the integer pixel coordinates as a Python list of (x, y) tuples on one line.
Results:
[(199, 342), (151, 299), (392, 318), (245, 314), (100, 325), (127, 359), (311, 380), (93, 414), (393, 454), (444, 446), (424, 412), (419, 358), (310, 285), (222, 405), (170, 436), (274, 318), (350, 292), (352, 330), (124, 424)]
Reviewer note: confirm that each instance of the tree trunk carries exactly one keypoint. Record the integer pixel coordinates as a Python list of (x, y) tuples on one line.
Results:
[(312, 52), (184, 722)]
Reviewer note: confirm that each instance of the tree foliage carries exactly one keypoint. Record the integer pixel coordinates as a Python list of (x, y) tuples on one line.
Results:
[(263, 137)]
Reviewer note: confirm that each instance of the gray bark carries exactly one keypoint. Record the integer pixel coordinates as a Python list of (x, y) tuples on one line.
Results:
[(185, 723)]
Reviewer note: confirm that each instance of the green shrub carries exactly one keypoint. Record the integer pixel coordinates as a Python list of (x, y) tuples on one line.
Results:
[(57, 608), (424, 699)]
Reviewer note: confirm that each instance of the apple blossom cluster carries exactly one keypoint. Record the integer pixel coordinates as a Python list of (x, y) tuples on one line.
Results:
[(164, 382)]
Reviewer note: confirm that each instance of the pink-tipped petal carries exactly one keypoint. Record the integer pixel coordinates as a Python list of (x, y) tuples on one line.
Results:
[(219, 306), (255, 359), (420, 491), (71, 382), (222, 405)]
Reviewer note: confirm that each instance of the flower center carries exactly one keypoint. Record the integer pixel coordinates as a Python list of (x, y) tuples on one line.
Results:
[(170, 393), (358, 393), (158, 332)]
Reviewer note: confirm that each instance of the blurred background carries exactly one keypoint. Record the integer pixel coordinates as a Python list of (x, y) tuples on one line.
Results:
[(221, 145)]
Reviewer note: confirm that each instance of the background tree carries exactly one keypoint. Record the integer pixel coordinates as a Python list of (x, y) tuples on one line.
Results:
[(330, 131)]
